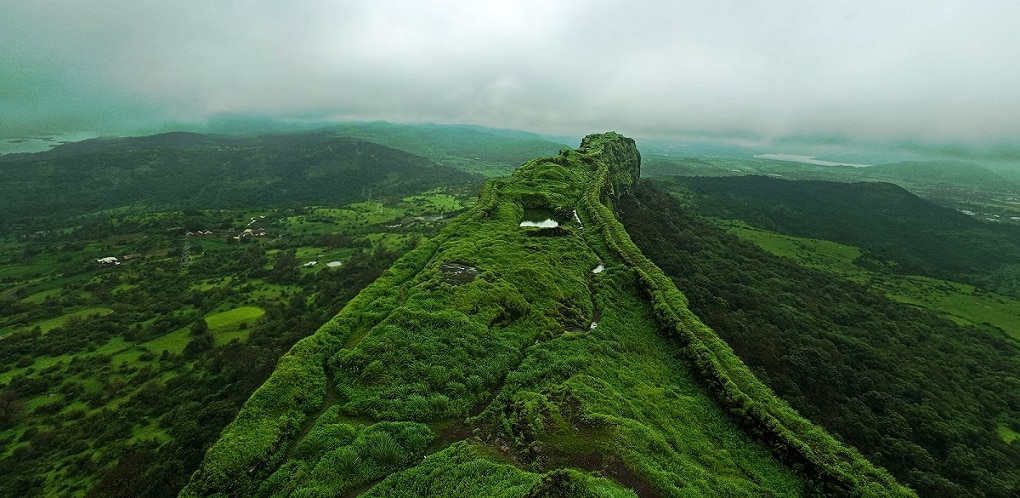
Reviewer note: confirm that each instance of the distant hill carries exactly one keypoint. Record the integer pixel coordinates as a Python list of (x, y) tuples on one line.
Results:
[(194, 171), (892, 225), (922, 177), (489, 151), (953, 173)]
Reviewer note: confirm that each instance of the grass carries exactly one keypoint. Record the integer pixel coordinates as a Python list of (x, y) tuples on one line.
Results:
[(39, 297), (321, 256), (262, 291), (229, 319), (41, 363), (1008, 435), (390, 241), (52, 323), (435, 202), (113, 346), (173, 342), (322, 220), (637, 405), (39, 265), (958, 302), (227, 325), (149, 431), (129, 357), (211, 283), (814, 253)]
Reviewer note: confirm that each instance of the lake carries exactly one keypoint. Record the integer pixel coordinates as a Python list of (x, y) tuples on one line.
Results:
[(539, 218)]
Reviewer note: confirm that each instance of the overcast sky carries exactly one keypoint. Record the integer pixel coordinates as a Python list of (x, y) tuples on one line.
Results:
[(925, 70)]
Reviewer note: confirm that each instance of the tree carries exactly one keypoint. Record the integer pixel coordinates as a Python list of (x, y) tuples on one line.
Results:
[(10, 406), (197, 345), (285, 268), (200, 327)]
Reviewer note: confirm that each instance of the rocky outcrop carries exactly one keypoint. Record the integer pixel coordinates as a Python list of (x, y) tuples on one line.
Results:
[(620, 153)]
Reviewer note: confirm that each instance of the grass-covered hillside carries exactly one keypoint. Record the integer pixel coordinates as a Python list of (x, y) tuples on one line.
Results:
[(862, 350), (192, 171), (505, 360)]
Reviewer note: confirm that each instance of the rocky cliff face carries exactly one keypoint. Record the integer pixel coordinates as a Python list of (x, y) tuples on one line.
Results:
[(620, 153)]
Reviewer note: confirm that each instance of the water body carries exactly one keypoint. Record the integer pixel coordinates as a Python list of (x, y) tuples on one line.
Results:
[(539, 218), (457, 274), (40, 143), (794, 158), (546, 223)]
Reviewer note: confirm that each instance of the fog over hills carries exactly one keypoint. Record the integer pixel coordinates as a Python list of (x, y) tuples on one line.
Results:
[(895, 73)]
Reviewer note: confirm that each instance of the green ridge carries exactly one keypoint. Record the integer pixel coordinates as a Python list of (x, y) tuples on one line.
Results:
[(493, 361)]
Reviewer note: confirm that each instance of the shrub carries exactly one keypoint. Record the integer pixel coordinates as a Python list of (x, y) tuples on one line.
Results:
[(382, 448), (346, 462)]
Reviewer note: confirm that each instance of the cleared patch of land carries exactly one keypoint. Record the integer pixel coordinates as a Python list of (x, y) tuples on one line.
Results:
[(1008, 435), (48, 325), (233, 324)]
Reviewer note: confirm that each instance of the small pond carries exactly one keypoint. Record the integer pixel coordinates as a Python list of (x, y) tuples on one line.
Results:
[(539, 218), (457, 274)]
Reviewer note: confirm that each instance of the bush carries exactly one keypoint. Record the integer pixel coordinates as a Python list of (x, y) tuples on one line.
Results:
[(347, 462), (382, 448)]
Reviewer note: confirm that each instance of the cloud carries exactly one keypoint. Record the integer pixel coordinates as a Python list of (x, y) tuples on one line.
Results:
[(903, 69)]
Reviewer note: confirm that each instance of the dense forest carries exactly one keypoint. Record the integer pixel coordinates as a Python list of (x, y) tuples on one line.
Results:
[(921, 396), (895, 229)]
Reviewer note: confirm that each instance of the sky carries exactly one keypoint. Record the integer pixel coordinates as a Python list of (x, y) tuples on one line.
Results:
[(928, 71)]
